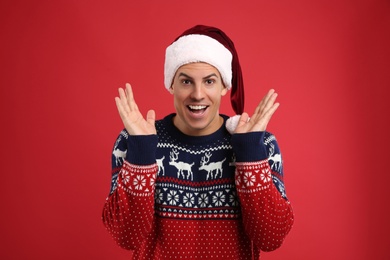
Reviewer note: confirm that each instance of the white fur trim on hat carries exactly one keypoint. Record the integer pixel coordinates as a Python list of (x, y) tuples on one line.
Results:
[(232, 123), (197, 48)]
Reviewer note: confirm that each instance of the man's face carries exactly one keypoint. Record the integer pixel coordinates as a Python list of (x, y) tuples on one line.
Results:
[(197, 90)]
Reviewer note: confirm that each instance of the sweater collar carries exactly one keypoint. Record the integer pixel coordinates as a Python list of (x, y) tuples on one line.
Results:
[(174, 131)]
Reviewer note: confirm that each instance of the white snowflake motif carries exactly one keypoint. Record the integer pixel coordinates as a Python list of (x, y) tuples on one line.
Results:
[(152, 181), (159, 196), (249, 179), (188, 199), (233, 199), (125, 176), (173, 197), (218, 198), (238, 180), (265, 175), (139, 182), (203, 200)]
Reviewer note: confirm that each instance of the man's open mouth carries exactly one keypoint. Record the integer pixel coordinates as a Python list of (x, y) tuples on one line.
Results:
[(197, 109)]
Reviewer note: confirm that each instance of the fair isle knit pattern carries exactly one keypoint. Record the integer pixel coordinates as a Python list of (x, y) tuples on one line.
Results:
[(185, 197)]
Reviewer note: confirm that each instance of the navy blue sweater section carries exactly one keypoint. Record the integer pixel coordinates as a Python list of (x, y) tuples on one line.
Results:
[(248, 147), (197, 157)]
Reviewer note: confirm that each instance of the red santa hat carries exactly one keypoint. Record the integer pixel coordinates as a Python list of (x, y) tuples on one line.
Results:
[(211, 45)]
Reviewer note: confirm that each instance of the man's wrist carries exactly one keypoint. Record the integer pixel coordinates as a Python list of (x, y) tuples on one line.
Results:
[(141, 149), (249, 147)]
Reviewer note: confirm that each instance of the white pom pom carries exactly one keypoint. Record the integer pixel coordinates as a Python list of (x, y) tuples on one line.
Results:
[(232, 123)]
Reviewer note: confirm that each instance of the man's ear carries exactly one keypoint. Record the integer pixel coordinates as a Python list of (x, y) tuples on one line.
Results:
[(224, 91), (171, 90)]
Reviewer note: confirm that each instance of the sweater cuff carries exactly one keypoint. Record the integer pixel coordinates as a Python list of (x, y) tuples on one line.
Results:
[(249, 147), (141, 149)]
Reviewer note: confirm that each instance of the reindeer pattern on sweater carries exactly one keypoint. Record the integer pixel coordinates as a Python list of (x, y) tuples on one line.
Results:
[(200, 180)]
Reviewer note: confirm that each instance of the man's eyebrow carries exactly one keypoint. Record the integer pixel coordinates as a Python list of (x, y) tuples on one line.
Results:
[(182, 74), (211, 75)]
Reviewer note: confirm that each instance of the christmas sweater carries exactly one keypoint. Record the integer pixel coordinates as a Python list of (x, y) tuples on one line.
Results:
[(219, 196)]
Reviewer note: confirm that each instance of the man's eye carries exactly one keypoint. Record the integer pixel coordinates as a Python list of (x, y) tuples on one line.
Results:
[(210, 81), (186, 81)]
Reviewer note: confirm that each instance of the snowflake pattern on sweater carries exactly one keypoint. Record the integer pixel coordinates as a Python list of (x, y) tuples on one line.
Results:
[(180, 195)]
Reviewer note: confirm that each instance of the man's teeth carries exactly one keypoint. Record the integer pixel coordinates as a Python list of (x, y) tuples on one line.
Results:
[(197, 107)]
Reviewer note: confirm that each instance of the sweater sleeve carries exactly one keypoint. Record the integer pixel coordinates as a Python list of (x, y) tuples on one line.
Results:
[(128, 212), (267, 213)]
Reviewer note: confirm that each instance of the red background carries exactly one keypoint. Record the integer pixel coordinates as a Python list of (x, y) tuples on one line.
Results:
[(61, 65)]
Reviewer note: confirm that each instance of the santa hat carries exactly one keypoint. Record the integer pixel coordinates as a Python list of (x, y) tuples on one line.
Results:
[(211, 45)]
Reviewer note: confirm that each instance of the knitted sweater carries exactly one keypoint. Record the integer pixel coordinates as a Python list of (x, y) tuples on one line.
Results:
[(218, 196)]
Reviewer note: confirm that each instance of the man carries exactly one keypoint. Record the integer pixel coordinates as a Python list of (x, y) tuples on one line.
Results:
[(197, 184)]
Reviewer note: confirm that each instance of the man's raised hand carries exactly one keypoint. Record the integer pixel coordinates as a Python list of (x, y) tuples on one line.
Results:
[(132, 118), (261, 116)]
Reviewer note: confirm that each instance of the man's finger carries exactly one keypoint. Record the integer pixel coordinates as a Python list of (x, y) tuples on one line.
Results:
[(151, 117), (243, 120), (120, 107), (262, 124), (130, 98), (265, 100), (123, 100)]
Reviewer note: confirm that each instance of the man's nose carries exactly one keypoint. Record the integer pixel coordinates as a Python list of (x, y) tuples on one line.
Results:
[(197, 92)]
